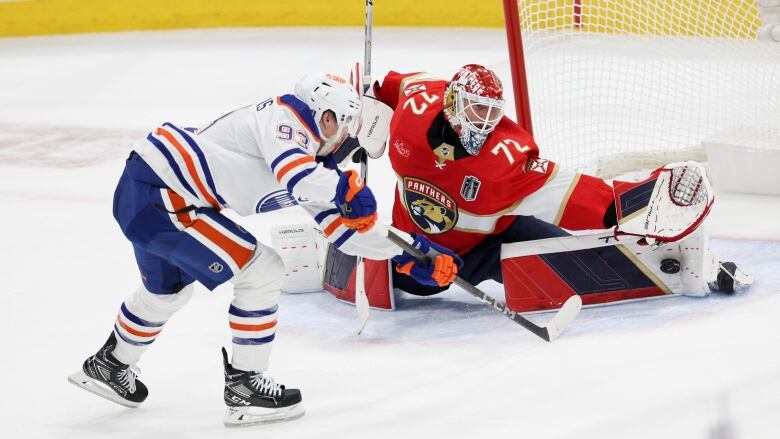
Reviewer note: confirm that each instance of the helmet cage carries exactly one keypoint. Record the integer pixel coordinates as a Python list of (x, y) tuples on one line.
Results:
[(477, 116)]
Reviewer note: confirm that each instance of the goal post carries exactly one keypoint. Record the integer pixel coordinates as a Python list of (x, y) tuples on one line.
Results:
[(620, 85)]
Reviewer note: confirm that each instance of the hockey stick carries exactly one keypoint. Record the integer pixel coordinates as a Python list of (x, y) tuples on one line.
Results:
[(361, 299), (550, 332)]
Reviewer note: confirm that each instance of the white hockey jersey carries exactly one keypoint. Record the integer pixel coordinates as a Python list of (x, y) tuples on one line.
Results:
[(253, 160)]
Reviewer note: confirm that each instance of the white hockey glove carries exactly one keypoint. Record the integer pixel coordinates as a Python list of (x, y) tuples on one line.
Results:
[(667, 206)]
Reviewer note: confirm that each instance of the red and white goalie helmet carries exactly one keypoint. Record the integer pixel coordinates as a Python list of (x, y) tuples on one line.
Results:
[(323, 92), (474, 105)]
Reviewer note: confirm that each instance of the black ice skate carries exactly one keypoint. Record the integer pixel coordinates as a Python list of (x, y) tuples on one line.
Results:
[(730, 278), (105, 376), (254, 399)]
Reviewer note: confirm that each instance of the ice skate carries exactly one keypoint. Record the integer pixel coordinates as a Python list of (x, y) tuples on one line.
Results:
[(105, 376), (253, 399), (731, 279)]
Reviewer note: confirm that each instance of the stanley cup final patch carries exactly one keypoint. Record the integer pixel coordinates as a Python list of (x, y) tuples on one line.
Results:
[(431, 209), (470, 188)]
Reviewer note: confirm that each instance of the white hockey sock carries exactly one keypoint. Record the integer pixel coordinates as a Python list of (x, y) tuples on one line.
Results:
[(141, 319), (253, 333), (252, 314)]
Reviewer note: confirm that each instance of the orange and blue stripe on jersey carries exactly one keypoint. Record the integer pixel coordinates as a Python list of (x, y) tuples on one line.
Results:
[(302, 112), (293, 165), (210, 229), (188, 163), (330, 221)]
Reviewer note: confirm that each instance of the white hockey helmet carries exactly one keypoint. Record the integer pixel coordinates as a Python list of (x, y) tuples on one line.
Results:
[(323, 92), (474, 105)]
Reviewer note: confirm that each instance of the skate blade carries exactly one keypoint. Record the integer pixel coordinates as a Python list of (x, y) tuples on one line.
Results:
[(92, 385), (742, 280), (248, 416)]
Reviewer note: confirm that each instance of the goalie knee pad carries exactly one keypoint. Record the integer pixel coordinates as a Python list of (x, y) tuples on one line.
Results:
[(300, 247)]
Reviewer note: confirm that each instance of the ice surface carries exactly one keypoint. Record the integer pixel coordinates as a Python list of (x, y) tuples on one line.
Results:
[(443, 366)]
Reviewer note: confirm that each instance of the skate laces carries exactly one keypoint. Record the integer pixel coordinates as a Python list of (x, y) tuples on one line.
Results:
[(127, 377), (266, 385)]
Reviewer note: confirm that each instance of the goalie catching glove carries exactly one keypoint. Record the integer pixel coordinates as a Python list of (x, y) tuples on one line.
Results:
[(442, 269), (667, 206), (356, 202)]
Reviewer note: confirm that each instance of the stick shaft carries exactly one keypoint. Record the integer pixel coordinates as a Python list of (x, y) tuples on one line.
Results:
[(474, 291), (367, 45)]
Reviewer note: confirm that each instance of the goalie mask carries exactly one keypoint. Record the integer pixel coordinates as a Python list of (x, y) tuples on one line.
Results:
[(474, 105), (325, 92)]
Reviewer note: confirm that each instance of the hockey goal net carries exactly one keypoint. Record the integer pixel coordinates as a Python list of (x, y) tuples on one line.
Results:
[(620, 85)]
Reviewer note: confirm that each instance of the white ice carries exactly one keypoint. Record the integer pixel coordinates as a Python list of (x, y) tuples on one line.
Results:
[(436, 367)]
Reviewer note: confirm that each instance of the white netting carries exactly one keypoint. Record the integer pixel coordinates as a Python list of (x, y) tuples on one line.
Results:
[(616, 85)]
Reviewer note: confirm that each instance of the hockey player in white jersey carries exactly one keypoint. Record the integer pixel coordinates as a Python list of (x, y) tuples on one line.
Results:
[(168, 203)]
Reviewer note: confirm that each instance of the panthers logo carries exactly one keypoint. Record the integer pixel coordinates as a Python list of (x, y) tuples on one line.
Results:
[(431, 209)]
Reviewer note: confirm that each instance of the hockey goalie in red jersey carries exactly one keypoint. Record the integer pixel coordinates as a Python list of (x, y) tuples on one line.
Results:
[(472, 180)]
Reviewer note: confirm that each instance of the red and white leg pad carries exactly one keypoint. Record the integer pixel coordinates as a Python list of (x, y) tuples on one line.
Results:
[(339, 279), (542, 274), (301, 248)]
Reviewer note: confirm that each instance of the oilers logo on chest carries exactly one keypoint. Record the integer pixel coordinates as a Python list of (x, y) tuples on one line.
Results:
[(429, 207), (274, 201)]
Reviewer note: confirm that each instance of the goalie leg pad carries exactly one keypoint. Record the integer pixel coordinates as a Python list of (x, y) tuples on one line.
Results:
[(703, 270), (299, 246), (340, 278), (542, 274), (534, 282)]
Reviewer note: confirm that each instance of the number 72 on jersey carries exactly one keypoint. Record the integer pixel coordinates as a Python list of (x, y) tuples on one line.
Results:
[(504, 147)]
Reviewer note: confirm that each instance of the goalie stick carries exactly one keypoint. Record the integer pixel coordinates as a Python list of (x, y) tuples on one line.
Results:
[(549, 332)]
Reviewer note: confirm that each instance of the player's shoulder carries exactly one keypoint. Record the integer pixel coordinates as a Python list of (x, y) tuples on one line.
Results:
[(398, 88), (296, 112), (508, 148), (509, 129), (422, 82)]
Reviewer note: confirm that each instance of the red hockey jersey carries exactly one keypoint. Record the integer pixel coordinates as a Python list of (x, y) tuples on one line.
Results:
[(459, 202)]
